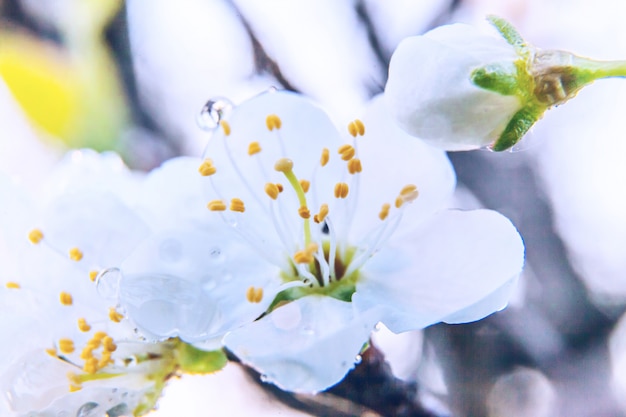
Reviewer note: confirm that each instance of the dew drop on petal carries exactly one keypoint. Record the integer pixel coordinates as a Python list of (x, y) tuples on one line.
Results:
[(358, 359), (108, 283), (119, 410), (212, 112), (86, 409)]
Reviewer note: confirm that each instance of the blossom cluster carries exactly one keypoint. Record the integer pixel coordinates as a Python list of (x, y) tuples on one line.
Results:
[(286, 243)]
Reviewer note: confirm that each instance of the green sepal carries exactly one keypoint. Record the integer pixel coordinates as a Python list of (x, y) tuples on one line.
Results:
[(517, 127), (508, 32), (196, 361), (499, 78)]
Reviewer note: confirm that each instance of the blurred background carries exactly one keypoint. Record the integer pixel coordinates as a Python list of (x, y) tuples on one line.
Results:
[(132, 77)]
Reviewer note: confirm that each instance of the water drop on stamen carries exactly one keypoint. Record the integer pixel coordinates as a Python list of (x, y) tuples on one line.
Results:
[(108, 283), (212, 112)]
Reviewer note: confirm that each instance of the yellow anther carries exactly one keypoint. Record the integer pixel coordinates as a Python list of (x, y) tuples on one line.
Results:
[(341, 190), (319, 217), (305, 185), (237, 205), (35, 236), (303, 257), (74, 378), (384, 211), (254, 295), (312, 248), (75, 254), (83, 326), (354, 166), (325, 156), (52, 352), (114, 315), (13, 285), (283, 165), (207, 168), (91, 366), (93, 275), (74, 388), (254, 148), (87, 352), (304, 212), (347, 152), (66, 298), (356, 127), (280, 187), (272, 190), (273, 122), (216, 205), (108, 344), (409, 193), (66, 345), (105, 360), (399, 201), (225, 127), (98, 336)]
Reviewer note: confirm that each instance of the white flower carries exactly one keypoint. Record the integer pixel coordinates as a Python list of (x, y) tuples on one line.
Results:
[(458, 88), (347, 230), (68, 350), (431, 93)]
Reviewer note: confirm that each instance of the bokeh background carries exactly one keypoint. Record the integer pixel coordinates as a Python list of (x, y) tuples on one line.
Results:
[(133, 77)]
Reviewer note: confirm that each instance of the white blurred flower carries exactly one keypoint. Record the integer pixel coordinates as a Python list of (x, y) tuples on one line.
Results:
[(67, 350), (341, 238), (459, 88)]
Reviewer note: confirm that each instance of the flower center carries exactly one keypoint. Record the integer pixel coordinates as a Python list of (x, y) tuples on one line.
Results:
[(303, 225)]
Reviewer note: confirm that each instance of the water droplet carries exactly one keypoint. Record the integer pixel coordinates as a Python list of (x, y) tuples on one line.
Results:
[(264, 378), (212, 112), (358, 359), (272, 89), (108, 283), (119, 410), (86, 409)]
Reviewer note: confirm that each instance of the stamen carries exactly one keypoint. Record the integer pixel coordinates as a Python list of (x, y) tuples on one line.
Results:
[(93, 275), (319, 217), (347, 152), (13, 285), (114, 316), (108, 344), (91, 366), (273, 122), (52, 352), (384, 211), (254, 148), (341, 190), (66, 298), (225, 127), (272, 190), (280, 187), (409, 193), (83, 326), (356, 128), (354, 166), (399, 201), (74, 388), (254, 295), (325, 157), (283, 165), (237, 205), (66, 346), (305, 185), (304, 212), (75, 254), (207, 168), (216, 205), (35, 236), (306, 256)]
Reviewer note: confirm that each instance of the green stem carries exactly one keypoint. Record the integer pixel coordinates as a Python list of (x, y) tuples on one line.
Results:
[(291, 177)]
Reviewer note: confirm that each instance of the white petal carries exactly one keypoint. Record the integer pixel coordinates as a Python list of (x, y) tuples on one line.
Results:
[(392, 159), (305, 346), (457, 260), (193, 285), (430, 92)]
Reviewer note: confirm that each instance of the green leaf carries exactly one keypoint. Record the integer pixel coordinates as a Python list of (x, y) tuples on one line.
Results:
[(196, 361), (508, 32), (519, 124)]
